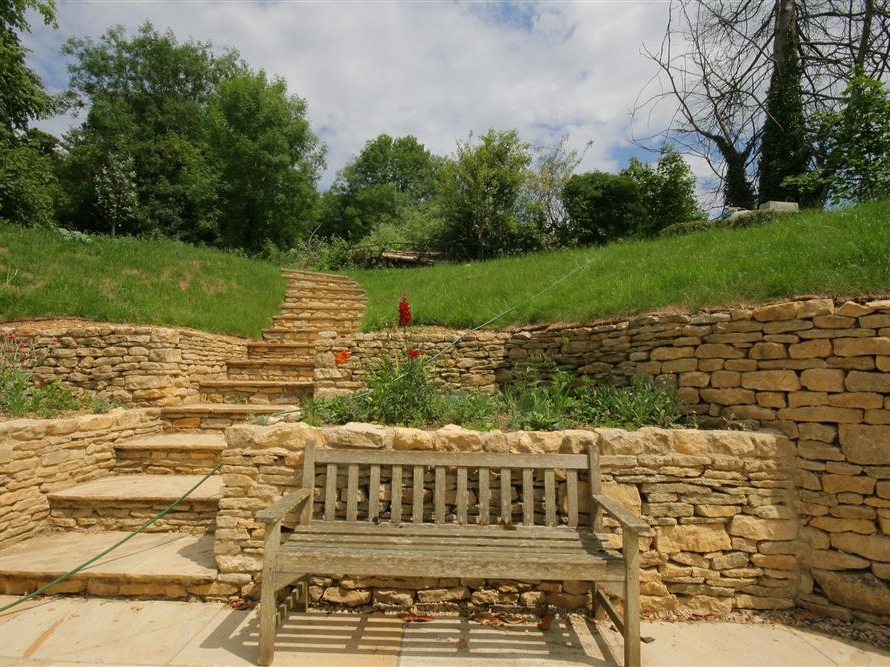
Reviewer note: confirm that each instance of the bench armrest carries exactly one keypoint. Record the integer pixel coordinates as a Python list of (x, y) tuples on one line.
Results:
[(276, 511), (627, 520)]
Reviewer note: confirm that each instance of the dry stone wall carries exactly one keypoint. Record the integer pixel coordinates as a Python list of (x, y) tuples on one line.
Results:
[(40, 456), (815, 370), (724, 533), (142, 366)]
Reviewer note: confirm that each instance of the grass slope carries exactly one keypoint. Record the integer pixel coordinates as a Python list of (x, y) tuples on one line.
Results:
[(46, 274), (838, 253)]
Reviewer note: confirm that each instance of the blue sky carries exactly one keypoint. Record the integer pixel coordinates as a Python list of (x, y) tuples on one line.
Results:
[(437, 70)]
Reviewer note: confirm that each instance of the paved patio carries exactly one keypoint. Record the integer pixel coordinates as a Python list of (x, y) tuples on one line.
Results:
[(78, 631)]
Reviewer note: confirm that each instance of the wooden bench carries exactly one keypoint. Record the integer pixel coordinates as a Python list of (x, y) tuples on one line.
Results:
[(429, 514)]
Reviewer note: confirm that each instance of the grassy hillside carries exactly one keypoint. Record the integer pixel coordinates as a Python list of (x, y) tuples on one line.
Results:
[(839, 253), (44, 273)]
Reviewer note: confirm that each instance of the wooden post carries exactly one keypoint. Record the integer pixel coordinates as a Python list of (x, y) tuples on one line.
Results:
[(268, 597), (631, 549)]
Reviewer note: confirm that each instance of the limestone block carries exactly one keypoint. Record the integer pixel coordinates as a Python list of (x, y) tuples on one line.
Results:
[(771, 381), (718, 351), (775, 561), (873, 547), (861, 347), (485, 596), (412, 439), (865, 444), (536, 442), (394, 597), (728, 396), (822, 414), (743, 601), (855, 590), (358, 436), (457, 439), (350, 598), (758, 529), (701, 538), (867, 382), (842, 483), (823, 379), (452, 594), (829, 559)]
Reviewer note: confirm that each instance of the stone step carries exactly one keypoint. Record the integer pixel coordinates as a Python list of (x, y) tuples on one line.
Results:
[(271, 369), (333, 311), (256, 392), (325, 298), (345, 323), (272, 350), (210, 416), (174, 453), (318, 278), (290, 335), (125, 502), (148, 566)]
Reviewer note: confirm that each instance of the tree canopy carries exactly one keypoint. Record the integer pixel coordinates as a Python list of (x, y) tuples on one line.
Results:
[(220, 154)]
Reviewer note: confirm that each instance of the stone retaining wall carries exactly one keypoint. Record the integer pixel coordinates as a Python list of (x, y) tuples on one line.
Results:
[(724, 533), (39, 456), (814, 370), (144, 366)]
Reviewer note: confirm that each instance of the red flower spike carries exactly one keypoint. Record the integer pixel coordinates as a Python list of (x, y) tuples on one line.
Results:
[(404, 313), (414, 353), (342, 356)]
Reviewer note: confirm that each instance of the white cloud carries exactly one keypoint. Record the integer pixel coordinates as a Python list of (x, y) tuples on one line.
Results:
[(437, 70)]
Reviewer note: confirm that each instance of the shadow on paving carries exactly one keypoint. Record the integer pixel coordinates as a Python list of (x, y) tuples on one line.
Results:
[(302, 637)]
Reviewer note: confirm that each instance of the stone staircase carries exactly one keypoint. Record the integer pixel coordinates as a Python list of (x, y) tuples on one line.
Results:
[(277, 373), (174, 557)]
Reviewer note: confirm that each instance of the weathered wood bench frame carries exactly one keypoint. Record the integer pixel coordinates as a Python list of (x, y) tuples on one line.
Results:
[(378, 543)]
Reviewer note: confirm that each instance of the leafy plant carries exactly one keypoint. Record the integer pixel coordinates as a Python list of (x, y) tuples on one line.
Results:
[(19, 395)]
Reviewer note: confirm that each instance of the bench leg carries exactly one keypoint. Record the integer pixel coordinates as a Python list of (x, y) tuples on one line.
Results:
[(631, 551), (268, 597)]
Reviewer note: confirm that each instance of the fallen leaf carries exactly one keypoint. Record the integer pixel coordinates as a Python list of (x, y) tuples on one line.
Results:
[(415, 618), (463, 644), (544, 623), (240, 604), (647, 640)]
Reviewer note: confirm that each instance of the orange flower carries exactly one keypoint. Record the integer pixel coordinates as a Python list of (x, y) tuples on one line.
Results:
[(342, 356)]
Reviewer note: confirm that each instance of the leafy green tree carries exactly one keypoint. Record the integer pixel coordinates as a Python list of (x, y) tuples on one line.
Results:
[(667, 192), (387, 181), (115, 187), (481, 196), (268, 160), (146, 96), (552, 168), (26, 179), (853, 143), (602, 207)]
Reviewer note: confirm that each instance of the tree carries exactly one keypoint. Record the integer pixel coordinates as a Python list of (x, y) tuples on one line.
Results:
[(667, 192), (268, 161), (602, 207), (146, 96), (115, 188), (785, 151), (715, 63), (222, 155), (25, 170), (553, 167), (388, 180), (480, 193), (853, 146)]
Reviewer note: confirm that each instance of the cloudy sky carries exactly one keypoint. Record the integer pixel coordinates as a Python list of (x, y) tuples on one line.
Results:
[(437, 70)]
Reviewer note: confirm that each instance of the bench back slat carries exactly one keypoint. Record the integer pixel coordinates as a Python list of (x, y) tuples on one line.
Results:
[(528, 496), (452, 487)]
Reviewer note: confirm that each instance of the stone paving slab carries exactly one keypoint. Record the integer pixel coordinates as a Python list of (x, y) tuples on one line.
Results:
[(210, 440), (141, 488), (77, 631), (154, 556)]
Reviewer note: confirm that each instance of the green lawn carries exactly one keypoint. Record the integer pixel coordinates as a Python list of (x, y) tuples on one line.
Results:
[(842, 253), (46, 274)]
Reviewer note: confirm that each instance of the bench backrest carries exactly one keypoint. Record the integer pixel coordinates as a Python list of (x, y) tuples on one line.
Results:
[(452, 487)]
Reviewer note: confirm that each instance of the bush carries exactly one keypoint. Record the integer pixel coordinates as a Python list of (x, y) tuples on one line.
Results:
[(401, 392)]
